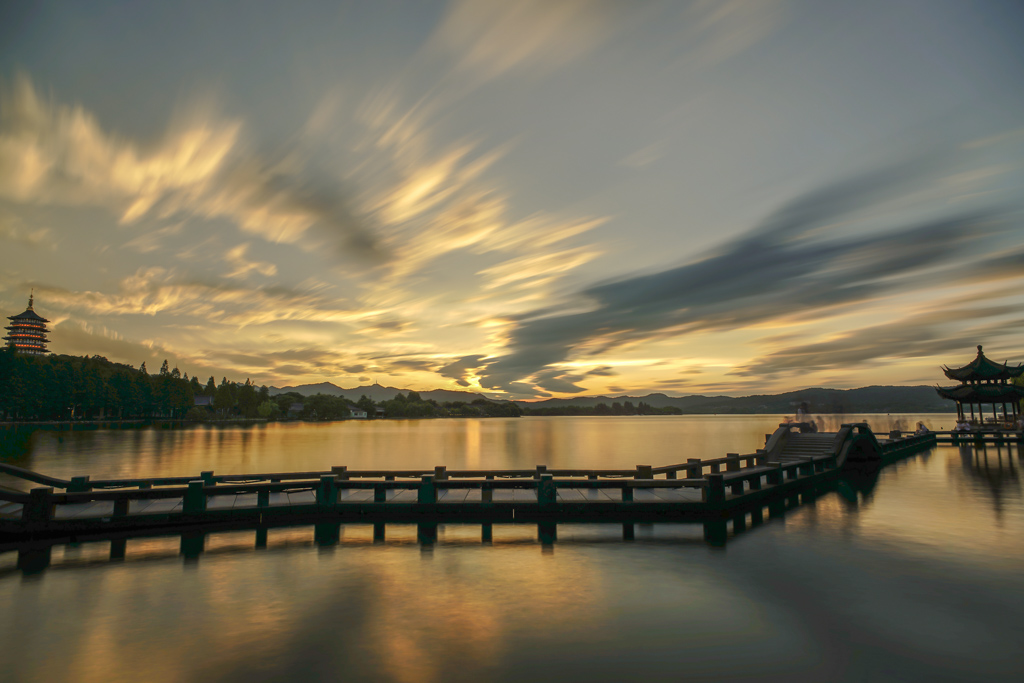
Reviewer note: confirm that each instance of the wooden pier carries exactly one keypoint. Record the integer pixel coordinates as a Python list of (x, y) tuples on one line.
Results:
[(795, 461)]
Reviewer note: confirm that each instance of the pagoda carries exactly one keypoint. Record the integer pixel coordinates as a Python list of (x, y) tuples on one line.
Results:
[(984, 382), (27, 332)]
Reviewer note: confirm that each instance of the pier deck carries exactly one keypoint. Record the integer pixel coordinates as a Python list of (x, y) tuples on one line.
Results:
[(794, 461)]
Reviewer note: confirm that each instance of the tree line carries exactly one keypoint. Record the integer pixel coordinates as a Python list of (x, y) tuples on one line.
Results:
[(61, 388), (410, 405)]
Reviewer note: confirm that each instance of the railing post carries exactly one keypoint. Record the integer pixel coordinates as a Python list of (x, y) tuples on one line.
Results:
[(894, 434), (380, 494), (327, 491), (762, 457), (440, 473), (121, 507), (775, 475), (79, 484), (547, 494), (195, 498), (733, 464), (695, 469), (754, 483), (670, 475), (428, 491), (207, 478), (541, 469), (340, 471), (263, 498), (714, 492), (487, 492), (627, 494), (40, 505), (736, 488), (644, 472)]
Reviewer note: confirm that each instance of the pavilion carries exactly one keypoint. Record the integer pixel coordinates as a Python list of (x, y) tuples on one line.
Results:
[(984, 382), (27, 332)]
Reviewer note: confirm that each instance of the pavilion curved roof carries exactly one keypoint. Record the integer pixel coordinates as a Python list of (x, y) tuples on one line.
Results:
[(982, 393), (981, 368), (29, 314)]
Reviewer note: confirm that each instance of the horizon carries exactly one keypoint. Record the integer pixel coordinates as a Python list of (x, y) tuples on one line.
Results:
[(518, 199)]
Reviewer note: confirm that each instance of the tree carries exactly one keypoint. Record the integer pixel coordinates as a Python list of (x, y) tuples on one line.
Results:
[(366, 403), (164, 369), (247, 399), (268, 409), (224, 398), (211, 387)]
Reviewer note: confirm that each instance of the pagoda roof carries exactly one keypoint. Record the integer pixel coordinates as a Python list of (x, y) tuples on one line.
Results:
[(29, 314), (982, 393), (981, 368)]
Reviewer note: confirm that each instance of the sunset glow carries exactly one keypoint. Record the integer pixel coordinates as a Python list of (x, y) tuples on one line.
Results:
[(525, 199)]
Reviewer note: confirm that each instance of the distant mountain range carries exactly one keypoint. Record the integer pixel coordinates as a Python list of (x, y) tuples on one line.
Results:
[(916, 399), (377, 392), (877, 399)]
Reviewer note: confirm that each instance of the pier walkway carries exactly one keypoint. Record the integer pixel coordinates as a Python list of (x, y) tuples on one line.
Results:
[(795, 461)]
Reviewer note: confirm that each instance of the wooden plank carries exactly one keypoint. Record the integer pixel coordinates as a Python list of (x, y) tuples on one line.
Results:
[(162, 506), (456, 495), (72, 510), (101, 508), (645, 496), (220, 502), (278, 499), (405, 496), (246, 500), (473, 496), (524, 495), (571, 496), (13, 510), (504, 495), (137, 507), (358, 496), (611, 494), (302, 498)]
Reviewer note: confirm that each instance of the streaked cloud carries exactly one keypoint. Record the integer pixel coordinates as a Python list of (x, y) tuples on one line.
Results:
[(795, 265), (241, 266)]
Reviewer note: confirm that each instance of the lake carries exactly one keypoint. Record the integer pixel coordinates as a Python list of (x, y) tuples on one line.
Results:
[(916, 576)]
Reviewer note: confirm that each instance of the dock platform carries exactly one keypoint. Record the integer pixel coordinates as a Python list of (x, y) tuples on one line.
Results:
[(795, 461)]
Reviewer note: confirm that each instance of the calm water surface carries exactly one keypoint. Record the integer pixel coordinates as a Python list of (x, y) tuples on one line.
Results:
[(917, 576)]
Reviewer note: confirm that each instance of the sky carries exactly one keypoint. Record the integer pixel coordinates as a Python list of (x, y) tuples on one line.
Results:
[(523, 198)]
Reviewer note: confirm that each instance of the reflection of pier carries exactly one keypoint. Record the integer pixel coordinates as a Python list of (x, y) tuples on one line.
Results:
[(796, 465)]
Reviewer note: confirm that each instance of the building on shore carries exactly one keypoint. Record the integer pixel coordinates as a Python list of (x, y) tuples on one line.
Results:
[(985, 382), (27, 331)]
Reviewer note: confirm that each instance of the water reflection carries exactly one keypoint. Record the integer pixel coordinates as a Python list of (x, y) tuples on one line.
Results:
[(908, 573)]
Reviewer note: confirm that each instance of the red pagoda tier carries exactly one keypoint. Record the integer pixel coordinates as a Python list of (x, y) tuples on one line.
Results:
[(984, 382), (27, 332)]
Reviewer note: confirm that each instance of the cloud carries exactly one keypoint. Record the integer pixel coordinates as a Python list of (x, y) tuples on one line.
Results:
[(150, 291), (459, 370), (12, 229), (490, 37), (241, 267), (153, 240), (797, 263), (715, 30), (58, 154), (917, 336)]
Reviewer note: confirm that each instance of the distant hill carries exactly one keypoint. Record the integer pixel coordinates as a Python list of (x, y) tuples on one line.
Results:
[(376, 392), (876, 399), (917, 399)]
